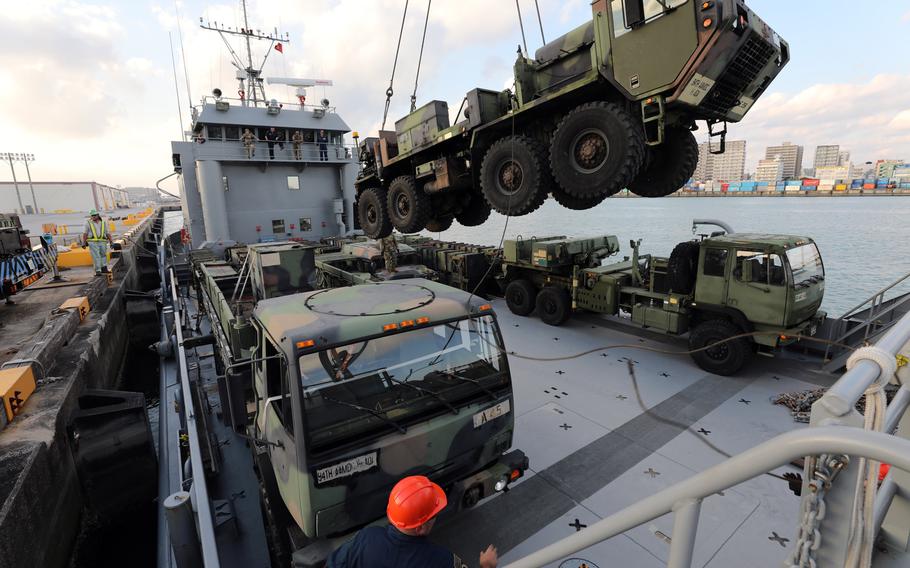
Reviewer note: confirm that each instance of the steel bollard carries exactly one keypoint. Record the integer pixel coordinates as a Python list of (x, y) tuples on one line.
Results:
[(181, 527)]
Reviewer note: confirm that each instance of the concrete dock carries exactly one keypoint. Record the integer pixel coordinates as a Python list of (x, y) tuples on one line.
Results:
[(41, 500)]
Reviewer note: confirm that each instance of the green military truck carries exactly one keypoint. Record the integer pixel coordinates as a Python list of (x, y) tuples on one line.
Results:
[(344, 391), (716, 288), (610, 105), (361, 262)]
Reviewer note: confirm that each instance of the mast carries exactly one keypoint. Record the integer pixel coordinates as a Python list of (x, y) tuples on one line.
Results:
[(250, 78)]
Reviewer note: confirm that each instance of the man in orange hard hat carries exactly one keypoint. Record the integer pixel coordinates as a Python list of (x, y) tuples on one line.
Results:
[(413, 505)]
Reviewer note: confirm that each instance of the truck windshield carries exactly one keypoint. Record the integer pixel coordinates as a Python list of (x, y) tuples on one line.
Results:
[(805, 264), (388, 382)]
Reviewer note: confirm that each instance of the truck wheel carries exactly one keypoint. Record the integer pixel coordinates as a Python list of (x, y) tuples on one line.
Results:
[(669, 166), (512, 176), (440, 224), (575, 203), (724, 359), (554, 305), (520, 297), (475, 213), (409, 207), (682, 267), (373, 215), (597, 150)]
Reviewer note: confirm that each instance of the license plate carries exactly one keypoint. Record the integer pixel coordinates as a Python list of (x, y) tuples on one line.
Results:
[(491, 413), (348, 468)]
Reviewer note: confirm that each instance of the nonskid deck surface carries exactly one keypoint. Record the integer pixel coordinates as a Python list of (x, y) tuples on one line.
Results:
[(597, 446)]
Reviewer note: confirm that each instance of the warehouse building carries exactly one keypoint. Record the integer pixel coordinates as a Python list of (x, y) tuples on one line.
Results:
[(60, 197)]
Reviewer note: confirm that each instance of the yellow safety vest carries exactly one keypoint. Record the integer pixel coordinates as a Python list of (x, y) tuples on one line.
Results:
[(95, 236)]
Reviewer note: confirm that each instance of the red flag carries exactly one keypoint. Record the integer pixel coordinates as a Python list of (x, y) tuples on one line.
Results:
[(279, 48)]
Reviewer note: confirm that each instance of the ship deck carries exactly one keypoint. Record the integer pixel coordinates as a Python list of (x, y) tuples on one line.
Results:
[(599, 439)]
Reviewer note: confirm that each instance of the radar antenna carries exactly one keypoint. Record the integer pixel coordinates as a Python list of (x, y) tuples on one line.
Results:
[(252, 90)]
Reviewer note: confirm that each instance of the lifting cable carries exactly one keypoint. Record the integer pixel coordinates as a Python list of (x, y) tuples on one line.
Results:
[(540, 23), (420, 57), (522, 26), (389, 92)]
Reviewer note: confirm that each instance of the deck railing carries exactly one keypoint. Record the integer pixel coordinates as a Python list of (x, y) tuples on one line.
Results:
[(308, 152), (837, 430)]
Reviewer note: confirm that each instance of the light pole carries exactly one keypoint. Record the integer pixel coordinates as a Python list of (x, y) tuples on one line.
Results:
[(26, 158), (10, 157)]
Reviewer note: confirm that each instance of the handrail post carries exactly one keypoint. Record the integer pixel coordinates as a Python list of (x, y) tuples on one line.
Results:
[(685, 525), (895, 526)]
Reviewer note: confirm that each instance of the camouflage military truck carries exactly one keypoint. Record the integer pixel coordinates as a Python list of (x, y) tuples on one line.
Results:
[(355, 387), (610, 105), (362, 262), (714, 289)]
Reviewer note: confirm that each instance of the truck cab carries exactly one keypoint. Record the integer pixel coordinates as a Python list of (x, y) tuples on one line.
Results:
[(357, 387)]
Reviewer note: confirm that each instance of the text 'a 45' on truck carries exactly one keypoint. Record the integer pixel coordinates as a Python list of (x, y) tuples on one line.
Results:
[(610, 105), (761, 290)]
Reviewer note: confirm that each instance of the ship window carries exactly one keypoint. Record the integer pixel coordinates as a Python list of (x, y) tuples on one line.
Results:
[(224, 183), (231, 133), (215, 132), (308, 136), (277, 226), (306, 225), (293, 182), (715, 261)]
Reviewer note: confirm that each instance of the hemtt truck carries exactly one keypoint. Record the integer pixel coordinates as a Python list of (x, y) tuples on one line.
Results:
[(344, 391), (610, 105), (715, 289)]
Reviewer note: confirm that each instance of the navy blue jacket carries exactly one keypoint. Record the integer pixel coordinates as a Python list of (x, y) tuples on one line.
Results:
[(386, 547)]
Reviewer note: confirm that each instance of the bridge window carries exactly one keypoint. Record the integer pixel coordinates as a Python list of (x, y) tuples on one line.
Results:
[(277, 226), (215, 132), (231, 133), (293, 183), (306, 225)]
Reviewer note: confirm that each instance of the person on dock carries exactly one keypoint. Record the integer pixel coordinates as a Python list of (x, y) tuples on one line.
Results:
[(271, 138), (413, 505), (248, 139), (96, 236), (323, 140), (297, 140)]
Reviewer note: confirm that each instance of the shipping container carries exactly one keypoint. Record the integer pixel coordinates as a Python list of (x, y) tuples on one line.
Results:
[(810, 182), (810, 187), (840, 187), (856, 184), (825, 187), (868, 186)]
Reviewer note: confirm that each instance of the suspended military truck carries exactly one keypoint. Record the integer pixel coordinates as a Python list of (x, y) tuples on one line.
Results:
[(720, 289), (610, 105)]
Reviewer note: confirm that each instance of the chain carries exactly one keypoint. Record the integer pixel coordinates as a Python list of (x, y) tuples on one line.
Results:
[(825, 470)]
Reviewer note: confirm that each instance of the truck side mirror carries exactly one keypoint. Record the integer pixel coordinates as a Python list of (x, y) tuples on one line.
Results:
[(635, 12)]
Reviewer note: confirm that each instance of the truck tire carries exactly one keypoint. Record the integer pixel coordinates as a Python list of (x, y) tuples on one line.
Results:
[(373, 214), (512, 176), (724, 359), (575, 203), (475, 213), (597, 150), (409, 206), (669, 166), (439, 224), (554, 305), (682, 267), (520, 297)]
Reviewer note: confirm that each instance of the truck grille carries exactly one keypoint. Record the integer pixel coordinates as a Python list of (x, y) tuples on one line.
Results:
[(749, 62)]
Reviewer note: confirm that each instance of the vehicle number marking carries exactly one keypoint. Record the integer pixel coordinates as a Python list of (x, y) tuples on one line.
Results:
[(488, 414), (348, 468), (800, 296), (696, 90)]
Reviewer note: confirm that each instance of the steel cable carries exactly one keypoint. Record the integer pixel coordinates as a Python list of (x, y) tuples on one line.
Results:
[(390, 91), (420, 57)]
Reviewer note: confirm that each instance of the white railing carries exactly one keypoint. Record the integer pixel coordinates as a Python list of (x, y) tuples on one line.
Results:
[(238, 102), (286, 152)]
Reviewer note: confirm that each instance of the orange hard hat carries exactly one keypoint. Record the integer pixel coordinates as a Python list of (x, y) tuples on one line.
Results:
[(413, 501)]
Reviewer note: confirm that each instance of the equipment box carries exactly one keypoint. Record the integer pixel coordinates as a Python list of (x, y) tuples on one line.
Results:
[(669, 322), (421, 126)]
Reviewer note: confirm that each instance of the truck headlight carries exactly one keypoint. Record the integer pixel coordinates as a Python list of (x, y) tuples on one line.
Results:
[(501, 483)]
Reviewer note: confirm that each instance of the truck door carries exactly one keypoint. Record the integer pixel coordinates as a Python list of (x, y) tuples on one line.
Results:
[(650, 54), (758, 287), (279, 428), (711, 282)]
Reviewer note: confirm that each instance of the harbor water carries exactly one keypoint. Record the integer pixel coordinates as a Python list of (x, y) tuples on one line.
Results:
[(863, 240)]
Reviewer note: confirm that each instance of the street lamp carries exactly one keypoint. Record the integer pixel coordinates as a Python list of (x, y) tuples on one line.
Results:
[(9, 156)]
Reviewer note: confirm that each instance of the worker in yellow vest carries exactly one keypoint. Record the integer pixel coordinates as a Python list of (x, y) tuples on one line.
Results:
[(97, 236)]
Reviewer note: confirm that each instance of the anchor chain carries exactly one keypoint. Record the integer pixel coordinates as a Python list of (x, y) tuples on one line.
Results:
[(825, 470)]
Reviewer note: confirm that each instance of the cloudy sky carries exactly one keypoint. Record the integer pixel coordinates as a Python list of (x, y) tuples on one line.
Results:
[(87, 86)]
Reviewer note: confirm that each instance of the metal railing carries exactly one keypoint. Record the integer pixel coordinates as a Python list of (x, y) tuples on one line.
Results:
[(864, 321), (263, 104), (837, 429), (286, 152)]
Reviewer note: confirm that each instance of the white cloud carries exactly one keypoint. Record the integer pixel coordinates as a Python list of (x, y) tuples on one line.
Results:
[(869, 118)]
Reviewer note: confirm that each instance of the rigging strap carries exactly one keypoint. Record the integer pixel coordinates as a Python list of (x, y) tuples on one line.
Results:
[(420, 57), (389, 92)]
